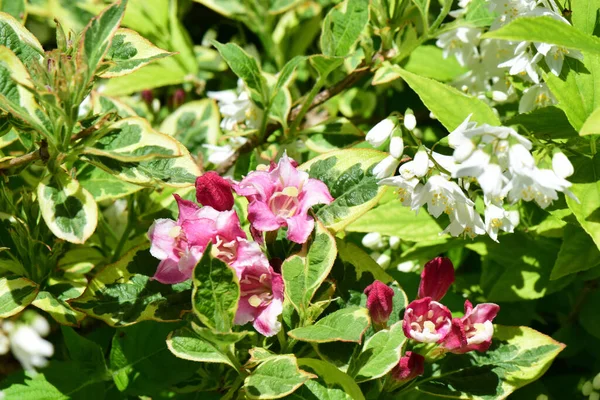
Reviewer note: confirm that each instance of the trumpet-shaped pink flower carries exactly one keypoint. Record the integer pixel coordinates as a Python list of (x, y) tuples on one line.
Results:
[(474, 331), (379, 302), (282, 197), (410, 366), (436, 278), (261, 290), (179, 244), (427, 321)]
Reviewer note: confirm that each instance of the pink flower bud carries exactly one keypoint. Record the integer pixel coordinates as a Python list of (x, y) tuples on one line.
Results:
[(410, 366), (426, 321), (474, 331), (379, 302), (214, 191), (436, 278)]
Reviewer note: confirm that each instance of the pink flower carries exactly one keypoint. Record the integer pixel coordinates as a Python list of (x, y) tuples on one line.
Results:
[(474, 331), (261, 290), (282, 197), (410, 366), (379, 302), (436, 278), (214, 191), (426, 321), (179, 244)]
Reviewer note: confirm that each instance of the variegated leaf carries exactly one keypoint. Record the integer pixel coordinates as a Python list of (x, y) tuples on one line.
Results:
[(18, 39), (104, 104), (16, 293), (104, 186), (58, 309), (194, 124)]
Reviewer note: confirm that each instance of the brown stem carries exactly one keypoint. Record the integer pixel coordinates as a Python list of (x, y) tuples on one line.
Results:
[(39, 154)]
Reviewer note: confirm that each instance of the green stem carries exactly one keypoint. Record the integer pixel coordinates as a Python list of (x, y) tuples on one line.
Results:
[(306, 106), (593, 145), (128, 229)]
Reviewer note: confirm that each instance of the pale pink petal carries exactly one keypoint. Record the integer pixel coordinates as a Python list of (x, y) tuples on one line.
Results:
[(199, 232), (287, 173), (161, 238), (257, 185), (299, 228), (314, 192), (168, 272), (483, 312), (262, 218), (245, 312), (249, 254), (228, 226), (267, 322)]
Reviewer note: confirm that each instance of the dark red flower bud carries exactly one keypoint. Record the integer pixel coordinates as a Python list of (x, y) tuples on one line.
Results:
[(214, 191), (410, 366), (436, 278), (147, 96), (379, 302), (178, 98)]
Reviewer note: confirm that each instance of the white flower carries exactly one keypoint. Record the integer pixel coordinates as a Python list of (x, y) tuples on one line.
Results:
[(461, 43), (508, 10), (382, 259), (407, 266), (497, 218), (464, 220), (536, 96), (396, 147), (462, 4), (523, 63), (386, 167), (440, 195), (219, 154), (561, 165), (555, 56), (475, 81), (236, 107), (406, 187), (536, 184), (495, 52), (28, 347), (373, 241), (394, 242), (410, 122), (381, 132)]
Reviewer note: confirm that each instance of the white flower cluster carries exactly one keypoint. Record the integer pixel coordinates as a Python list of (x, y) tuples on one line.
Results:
[(498, 159), (25, 341), (591, 388), (389, 129), (489, 60), (381, 247)]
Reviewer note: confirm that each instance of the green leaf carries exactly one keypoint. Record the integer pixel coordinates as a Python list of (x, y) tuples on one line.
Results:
[(547, 30), (448, 104), (586, 186), (142, 364), (133, 139), (546, 122), (187, 344), (428, 61), (16, 8), (104, 104), (16, 37), (345, 325), (576, 88), (129, 52), (69, 210), (342, 27), (285, 75), (362, 262), (331, 375), (591, 126), (104, 186), (585, 15), (228, 8), (246, 68), (332, 134), (281, 105), (194, 124), (588, 316), (97, 37), (380, 353), (216, 292), (518, 356), (275, 378), (318, 389), (349, 176), (394, 219), (578, 252), (164, 72), (58, 309), (86, 353), (124, 293), (303, 273), (16, 293)]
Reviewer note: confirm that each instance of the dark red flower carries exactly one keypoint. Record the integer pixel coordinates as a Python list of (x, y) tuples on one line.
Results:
[(436, 278), (410, 366), (379, 302)]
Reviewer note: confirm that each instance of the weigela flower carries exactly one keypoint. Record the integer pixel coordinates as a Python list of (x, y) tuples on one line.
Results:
[(410, 366), (474, 331), (460, 43), (379, 302), (179, 244), (436, 278), (427, 321), (282, 197), (261, 290), (214, 191)]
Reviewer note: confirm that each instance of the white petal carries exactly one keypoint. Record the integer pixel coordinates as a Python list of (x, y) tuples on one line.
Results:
[(561, 165)]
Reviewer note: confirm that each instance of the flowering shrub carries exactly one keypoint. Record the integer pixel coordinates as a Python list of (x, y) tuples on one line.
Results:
[(307, 199)]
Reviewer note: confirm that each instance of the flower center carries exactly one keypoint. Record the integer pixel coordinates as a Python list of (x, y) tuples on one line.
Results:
[(224, 251), (285, 204), (258, 288)]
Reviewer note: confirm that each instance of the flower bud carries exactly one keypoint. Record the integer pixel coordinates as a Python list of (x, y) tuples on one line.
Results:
[(379, 302), (561, 165), (587, 388), (381, 132), (436, 278), (421, 163), (410, 366), (214, 191), (385, 168), (410, 122), (373, 241), (396, 147)]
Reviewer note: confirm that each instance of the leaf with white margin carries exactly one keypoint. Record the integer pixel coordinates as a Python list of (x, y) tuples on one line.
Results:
[(332, 376), (68, 209), (15, 97), (129, 51), (133, 139), (18, 39), (380, 353), (189, 345), (105, 104), (58, 309), (16, 293), (194, 124), (275, 378), (346, 325)]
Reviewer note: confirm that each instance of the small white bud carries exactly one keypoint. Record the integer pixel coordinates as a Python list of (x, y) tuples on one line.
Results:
[(499, 96), (394, 242), (421, 163), (410, 122), (396, 147), (380, 132), (372, 240), (594, 396), (561, 165), (596, 382), (383, 260), (385, 168), (432, 115), (587, 388), (406, 266)]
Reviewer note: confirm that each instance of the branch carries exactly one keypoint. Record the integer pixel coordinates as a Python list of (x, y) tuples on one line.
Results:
[(39, 154)]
